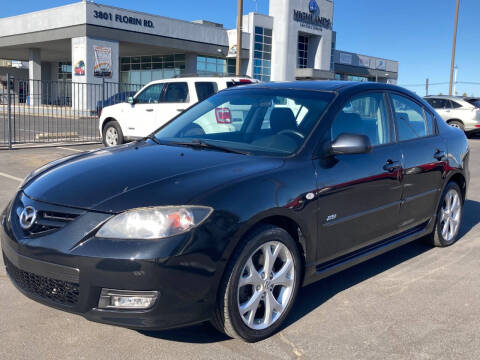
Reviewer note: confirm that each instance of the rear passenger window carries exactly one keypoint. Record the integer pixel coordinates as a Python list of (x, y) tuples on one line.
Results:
[(205, 90), (455, 105), (177, 92), (438, 103), (364, 115), (410, 119)]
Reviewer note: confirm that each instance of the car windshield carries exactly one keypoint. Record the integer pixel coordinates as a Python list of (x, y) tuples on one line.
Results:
[(254, 121)]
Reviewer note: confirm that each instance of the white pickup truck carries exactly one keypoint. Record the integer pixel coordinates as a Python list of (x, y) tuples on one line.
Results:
[(160, 101)]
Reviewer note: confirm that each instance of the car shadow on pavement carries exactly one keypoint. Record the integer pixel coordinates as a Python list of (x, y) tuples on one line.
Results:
[(314, 295), (471, 216), (203, 333)]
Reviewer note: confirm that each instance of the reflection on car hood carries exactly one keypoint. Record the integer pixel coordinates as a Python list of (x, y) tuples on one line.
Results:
[(141, 174)]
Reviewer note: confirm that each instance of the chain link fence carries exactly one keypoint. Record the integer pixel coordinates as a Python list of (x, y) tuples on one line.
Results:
[(43, 112)]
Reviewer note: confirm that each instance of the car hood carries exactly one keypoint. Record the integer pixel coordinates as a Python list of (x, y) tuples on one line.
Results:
[(140, 174)]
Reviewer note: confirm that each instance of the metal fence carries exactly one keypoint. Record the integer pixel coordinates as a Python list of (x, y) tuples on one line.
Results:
[(38, 111)]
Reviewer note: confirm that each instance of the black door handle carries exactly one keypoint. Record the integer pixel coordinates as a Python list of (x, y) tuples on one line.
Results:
[(180, 110), (391, 165), (439, 154), (149, 110)]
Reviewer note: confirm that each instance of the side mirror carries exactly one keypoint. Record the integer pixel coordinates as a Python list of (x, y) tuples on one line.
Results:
[(131, 100), (346, 144)]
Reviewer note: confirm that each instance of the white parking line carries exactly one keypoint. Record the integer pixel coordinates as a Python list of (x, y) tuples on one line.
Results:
[(66, 148), (11, 177)]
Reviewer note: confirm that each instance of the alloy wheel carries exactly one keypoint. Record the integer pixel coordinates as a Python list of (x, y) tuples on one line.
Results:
[(450, 215), (111, 136), (266, 285)]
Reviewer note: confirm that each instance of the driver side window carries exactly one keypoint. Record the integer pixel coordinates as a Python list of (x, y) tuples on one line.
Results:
[(364, 114), (151, 95)]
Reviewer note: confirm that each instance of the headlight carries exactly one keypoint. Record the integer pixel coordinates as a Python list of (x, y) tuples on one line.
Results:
[(154, 222)]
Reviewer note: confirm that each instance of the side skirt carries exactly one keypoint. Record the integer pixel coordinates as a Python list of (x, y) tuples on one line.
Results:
[(320, 271)]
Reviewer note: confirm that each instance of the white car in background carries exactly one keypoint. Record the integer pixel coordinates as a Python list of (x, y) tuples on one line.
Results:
[(462, 113), (160, 101)]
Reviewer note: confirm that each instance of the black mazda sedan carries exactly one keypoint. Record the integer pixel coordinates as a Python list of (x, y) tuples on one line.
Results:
[(201, 222)]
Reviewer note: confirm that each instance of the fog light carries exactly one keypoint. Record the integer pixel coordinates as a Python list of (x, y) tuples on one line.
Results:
[(127, 300)]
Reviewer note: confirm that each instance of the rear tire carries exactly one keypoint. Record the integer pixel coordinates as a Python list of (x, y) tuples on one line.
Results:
[(112, 134), (252, 303), (449, 217)]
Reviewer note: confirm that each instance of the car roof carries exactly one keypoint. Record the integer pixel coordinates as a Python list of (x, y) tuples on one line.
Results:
[(447, 97), (323, 85), (458, 99), (201, 78)]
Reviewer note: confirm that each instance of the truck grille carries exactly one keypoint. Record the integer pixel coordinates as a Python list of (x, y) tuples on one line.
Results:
[(56, 291)]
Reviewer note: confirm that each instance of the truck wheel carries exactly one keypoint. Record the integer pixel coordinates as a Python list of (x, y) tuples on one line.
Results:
[(112, 134)]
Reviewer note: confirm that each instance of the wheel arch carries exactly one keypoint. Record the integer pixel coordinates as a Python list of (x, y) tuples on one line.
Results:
[(461, 181), (291, 226), (106, 121), (455, 119)]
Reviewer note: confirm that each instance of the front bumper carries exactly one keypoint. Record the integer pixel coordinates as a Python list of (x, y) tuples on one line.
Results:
[(68, 268)]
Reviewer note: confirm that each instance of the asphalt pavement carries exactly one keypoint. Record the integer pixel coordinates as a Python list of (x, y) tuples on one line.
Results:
[(415, 302)]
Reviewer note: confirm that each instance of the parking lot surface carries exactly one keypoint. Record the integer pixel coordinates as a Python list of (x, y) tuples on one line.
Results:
[(415, 302)]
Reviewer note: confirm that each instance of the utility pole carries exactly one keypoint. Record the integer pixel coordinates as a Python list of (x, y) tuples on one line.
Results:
[(453, 48), (455, 81), (426, 87), (239, 38)]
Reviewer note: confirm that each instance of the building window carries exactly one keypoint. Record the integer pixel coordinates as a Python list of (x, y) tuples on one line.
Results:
[(356, 78), (332, 56), (64, 71), (143, 69), (262, 56), (302, 51), (215, 66)]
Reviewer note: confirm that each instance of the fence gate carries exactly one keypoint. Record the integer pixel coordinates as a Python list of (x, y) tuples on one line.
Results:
[(38, 111)]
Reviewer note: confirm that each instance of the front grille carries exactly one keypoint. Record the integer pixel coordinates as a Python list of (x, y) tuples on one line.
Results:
[(57, 291), (48, 221)]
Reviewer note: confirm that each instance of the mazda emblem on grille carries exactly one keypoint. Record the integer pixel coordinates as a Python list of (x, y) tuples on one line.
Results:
[(28, 217)]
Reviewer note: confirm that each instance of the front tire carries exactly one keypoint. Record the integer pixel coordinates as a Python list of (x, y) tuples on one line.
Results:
[(259, 286), (112, 134), (449, 217)]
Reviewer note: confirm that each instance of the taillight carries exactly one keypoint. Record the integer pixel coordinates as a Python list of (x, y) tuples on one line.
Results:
[(245, 81), (223, 115)]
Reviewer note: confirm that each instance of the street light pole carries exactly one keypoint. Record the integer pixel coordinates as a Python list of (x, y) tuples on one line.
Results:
[(455, 81), (453, 48), (238, 68)]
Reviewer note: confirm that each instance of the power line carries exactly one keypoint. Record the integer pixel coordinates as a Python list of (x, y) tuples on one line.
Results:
[(442, 83), (423, 84)]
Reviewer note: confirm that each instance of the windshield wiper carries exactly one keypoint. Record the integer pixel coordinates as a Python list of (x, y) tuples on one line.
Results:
[(153, 138), (197, 143)]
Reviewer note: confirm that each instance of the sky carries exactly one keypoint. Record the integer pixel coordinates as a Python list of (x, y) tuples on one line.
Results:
[(417, 33)]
